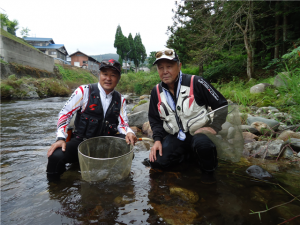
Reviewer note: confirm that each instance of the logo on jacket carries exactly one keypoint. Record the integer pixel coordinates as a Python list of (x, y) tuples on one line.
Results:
[(92, 106)]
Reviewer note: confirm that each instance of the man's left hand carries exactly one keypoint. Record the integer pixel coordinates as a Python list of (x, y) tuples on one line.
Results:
[(209, 129), (130, 138)]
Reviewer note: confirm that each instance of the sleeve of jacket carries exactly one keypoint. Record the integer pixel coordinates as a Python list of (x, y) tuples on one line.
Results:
[(205, 92), (154, 119), (123, 126)]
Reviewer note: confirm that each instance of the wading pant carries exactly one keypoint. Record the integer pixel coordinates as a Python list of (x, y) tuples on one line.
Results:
[(58, 159), (199, 147)]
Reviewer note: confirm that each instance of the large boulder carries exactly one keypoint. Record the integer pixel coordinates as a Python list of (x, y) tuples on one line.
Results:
[(281, 79), (138, 119), (259, 88), (270, 122), (146, 129), (142, 107)]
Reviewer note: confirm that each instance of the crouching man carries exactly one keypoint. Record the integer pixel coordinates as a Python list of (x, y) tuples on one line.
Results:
[(100, 111), (176, 115)]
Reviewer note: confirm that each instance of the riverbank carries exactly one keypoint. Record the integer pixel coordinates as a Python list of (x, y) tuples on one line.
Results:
[(25, 82)]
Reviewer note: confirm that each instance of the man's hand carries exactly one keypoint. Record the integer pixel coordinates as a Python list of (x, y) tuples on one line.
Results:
[(209, 129), (130, 138), (56, 145), (157, 146)]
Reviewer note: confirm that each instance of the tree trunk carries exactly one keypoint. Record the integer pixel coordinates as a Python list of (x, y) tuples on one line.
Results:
[(200, 68), (284, 28), (252, 36), (276, 50)]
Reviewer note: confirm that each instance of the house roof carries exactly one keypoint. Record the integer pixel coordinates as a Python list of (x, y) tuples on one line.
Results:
[(89, 57), (37, 39), (52, 46)]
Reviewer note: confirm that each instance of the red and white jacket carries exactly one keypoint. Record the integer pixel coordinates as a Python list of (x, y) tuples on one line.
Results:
[(79, 100)]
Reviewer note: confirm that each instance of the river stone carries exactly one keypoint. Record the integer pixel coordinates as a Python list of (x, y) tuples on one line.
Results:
[(298, 155), (258, 172), (247, 128), (274, 148), (259, 88), (270, 122), (262, 128), (281, 79), (142, 107), (147, 129), (138, 119), (288, 153), (285, 135), (175, 214), (294, 143), (255, 149), (249, 136), (185, 194)]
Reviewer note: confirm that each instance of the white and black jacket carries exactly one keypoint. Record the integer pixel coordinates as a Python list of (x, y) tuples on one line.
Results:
[(204, 95)]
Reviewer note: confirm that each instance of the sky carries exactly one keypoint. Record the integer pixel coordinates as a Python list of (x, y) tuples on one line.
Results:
[(90, 25)]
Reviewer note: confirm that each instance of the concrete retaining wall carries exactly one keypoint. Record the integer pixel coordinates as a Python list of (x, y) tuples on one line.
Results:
[(14, 52)]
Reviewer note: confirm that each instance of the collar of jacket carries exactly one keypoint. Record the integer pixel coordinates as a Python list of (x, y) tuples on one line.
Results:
[(102, 92), (165, 86)]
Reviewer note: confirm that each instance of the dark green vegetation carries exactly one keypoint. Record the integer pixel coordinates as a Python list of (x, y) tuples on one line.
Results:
[(234, 38), (130, 49), (70, 78), (12, 25)]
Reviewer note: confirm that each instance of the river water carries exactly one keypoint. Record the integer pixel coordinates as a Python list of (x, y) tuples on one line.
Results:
[(27, 131)]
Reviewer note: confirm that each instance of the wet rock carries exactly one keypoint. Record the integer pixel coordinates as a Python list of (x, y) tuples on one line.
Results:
[(262, 128), (247, 128), (260, 195), (144, 97), (138, 119), (259, 88), (142, 107), (270, 122), (285, 135), (175, 214), (147, 129), (294, 144), (288, 153), (249, 136), (185, 194), (258, 172)]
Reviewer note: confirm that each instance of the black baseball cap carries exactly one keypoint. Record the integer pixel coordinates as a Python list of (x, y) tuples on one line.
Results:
[(111, 63)]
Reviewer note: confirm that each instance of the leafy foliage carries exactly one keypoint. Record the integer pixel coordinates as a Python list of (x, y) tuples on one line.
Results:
[(12, 25)]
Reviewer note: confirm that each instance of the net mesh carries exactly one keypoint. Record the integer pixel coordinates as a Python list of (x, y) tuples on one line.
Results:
[(229, 141), (105, 158)]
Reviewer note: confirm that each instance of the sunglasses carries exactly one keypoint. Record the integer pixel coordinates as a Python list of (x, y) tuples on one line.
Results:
[(161, 53)]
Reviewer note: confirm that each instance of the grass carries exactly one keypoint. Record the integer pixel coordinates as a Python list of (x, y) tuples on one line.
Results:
[(14, 38), (74, 76)]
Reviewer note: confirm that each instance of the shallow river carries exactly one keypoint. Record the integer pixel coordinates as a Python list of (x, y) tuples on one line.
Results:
[(28, 129)]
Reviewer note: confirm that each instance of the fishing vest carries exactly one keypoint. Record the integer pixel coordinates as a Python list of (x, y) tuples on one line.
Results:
[(91, 122), (188, 114)]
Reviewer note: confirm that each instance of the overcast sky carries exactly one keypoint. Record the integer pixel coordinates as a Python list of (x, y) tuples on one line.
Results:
[(90, 25)]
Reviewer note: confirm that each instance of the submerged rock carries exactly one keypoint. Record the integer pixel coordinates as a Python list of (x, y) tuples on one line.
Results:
[(185, 194), (258, 172), (175, 214)]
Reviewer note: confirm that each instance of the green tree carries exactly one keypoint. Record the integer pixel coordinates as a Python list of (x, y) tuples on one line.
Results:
[(132, 54), (12, 26), (141, 54), (25, 32), (151, 59)]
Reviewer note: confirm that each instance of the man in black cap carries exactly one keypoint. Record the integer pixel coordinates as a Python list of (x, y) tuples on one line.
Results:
[(177, 110), (100, 111)]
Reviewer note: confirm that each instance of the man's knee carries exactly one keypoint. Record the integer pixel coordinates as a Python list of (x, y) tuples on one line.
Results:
[(202, 142), (56, 162)]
